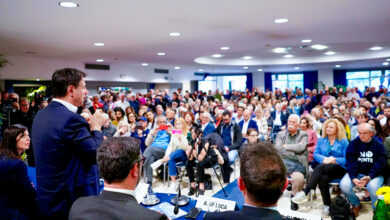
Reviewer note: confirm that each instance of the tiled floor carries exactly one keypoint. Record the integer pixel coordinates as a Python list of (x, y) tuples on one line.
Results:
[(284, 201)]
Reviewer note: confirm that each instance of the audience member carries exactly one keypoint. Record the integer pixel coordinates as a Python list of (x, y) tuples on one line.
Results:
[(330, 154), (120, 164), (17, 194), (366, 163), (292, 145), (262, 182)]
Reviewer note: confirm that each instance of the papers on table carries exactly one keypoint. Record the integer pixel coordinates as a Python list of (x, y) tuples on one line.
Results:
[(167, 209)]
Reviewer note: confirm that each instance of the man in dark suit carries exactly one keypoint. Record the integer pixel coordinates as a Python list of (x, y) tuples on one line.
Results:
[(120, 163), (207, 126), (280, 119), (247, 123), (65, 146), (262, 181)]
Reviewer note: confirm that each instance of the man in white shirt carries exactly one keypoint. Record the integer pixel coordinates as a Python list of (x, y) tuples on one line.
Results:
[(123, 103)]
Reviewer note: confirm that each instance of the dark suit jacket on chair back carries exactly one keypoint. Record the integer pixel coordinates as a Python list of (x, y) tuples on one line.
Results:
[(111, 205)]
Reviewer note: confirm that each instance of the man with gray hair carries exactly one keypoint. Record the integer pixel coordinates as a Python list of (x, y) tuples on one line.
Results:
[(120, 164), (108, 128), (157, 142), (366, 165), (292, 146), (207, 126)]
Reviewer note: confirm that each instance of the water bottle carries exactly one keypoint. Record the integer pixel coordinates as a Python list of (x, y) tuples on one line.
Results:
[(381, 211)]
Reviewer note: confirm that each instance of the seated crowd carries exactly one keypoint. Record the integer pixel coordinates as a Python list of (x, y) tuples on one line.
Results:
[(320, 136)]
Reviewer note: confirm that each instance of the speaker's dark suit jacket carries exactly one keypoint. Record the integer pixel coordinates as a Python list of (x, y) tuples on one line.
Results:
[(111, 205), (65, 154), (247, 213)]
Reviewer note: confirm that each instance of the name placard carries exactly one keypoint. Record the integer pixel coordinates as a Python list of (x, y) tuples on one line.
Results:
[(211, 204)]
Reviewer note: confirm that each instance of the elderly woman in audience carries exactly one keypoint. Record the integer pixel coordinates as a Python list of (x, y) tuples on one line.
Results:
[(123, 130), (306, 125), (17, 193), (176, 150), (330, 154), (262, 124), (119, 116)]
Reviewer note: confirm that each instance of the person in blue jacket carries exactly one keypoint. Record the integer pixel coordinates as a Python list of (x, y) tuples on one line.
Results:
[(17, 194), (330, 154), (366, 163)]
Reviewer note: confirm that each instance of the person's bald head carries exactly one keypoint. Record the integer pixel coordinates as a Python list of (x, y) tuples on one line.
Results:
[(366, 132)]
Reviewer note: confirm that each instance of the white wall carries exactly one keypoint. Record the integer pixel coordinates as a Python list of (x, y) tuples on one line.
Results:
[(326, 76)]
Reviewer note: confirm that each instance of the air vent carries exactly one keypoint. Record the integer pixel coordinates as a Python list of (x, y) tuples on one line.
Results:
[(97, 66), (161, 71)]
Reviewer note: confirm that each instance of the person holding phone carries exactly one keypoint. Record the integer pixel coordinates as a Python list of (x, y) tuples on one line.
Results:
[(176, 150), (157, 142)]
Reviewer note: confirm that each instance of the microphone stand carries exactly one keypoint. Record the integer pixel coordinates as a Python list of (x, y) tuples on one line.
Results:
[(179, 199)]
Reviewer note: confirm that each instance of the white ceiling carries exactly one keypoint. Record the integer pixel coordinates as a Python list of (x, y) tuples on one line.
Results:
[(134, 31)]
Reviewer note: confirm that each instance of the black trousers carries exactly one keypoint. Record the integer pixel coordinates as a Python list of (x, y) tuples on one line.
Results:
[(207, 162), (322, 175)]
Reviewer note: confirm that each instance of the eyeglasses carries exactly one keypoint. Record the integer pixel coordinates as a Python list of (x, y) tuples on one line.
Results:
[(139, 161), (253, 135)]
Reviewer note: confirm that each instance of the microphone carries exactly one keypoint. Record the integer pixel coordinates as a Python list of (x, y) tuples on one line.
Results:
[(176, 209)]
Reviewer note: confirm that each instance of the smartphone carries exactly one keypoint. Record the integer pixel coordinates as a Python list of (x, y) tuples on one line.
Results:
[(163, 127), (193, 213), (176, 131)]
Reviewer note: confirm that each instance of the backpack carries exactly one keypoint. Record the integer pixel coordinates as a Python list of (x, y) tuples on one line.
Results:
[(340, 209)]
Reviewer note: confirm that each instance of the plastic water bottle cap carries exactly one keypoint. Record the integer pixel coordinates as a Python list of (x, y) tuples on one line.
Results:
[(381, 197)]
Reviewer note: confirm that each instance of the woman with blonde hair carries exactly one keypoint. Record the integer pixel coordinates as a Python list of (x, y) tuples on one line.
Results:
[(176, 150), (123, 129), (330, 153)]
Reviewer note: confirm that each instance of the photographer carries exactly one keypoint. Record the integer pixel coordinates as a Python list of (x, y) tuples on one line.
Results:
[(202, 155)]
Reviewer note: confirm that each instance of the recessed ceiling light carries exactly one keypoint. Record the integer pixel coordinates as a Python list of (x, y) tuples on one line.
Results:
[(319, 47), (259, 70), (288, 56), (225, 48), (177, 67), (99, 60), (388, 59), (280, 50), (337, 66), (38, 79), (376, 48), (69, 4), (98, 44), (161, 53), (329, 53), (245, 67), (385, 63), (200, 70), (297, 67), (174, 34), (306, 41), (281, 20), (145, 64), (217, 55), (247, 57)]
